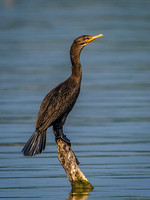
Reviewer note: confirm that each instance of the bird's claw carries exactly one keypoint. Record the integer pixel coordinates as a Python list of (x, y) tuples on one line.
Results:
[(64, 138)]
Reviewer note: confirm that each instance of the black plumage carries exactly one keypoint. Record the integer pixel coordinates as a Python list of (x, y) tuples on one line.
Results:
[(58, 102)]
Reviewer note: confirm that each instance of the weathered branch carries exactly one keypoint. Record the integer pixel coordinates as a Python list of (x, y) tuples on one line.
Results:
[(70, 164)]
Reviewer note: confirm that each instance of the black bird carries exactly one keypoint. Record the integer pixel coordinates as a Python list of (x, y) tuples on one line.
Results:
[(58, 102)]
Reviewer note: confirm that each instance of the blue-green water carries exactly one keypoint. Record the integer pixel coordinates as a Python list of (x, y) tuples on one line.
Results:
[(110, 125)]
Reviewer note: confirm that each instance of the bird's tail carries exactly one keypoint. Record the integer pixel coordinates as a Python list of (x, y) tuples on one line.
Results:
[(35, 144)]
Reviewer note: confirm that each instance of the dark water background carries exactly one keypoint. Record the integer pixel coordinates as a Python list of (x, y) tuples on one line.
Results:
[(110, 124)]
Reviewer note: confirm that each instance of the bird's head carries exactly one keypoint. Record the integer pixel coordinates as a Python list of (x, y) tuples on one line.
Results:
[(85, 39), (78, 44)]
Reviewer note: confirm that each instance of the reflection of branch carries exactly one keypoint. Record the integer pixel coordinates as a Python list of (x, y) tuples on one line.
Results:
[(79, 194), (70, 164)]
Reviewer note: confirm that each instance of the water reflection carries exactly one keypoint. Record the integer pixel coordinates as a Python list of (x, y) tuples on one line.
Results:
[(79, 194)]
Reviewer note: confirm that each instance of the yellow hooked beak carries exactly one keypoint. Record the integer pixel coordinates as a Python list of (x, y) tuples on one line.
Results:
[(91, 38)]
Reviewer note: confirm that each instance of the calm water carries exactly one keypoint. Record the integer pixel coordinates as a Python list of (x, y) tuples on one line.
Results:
[(110, 124)]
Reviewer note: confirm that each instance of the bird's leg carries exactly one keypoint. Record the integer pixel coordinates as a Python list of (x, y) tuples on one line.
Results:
[(58, 132), (64, 137)]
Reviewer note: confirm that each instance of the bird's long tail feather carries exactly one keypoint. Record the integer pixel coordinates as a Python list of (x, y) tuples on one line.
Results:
[(35, 144)]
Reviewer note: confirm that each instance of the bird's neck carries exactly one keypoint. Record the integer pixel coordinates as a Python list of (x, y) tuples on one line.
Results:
[(75, 60)]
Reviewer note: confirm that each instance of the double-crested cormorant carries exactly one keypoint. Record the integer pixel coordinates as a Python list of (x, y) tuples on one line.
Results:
[(58, 102)]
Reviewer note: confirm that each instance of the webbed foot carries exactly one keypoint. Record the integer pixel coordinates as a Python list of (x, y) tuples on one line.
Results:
[(64, 138)]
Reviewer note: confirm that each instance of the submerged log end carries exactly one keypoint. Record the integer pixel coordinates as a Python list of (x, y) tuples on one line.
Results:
[(81, 183), (70, 163)]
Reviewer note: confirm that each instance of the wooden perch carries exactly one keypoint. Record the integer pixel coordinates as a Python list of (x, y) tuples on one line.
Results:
[(70, 163)]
